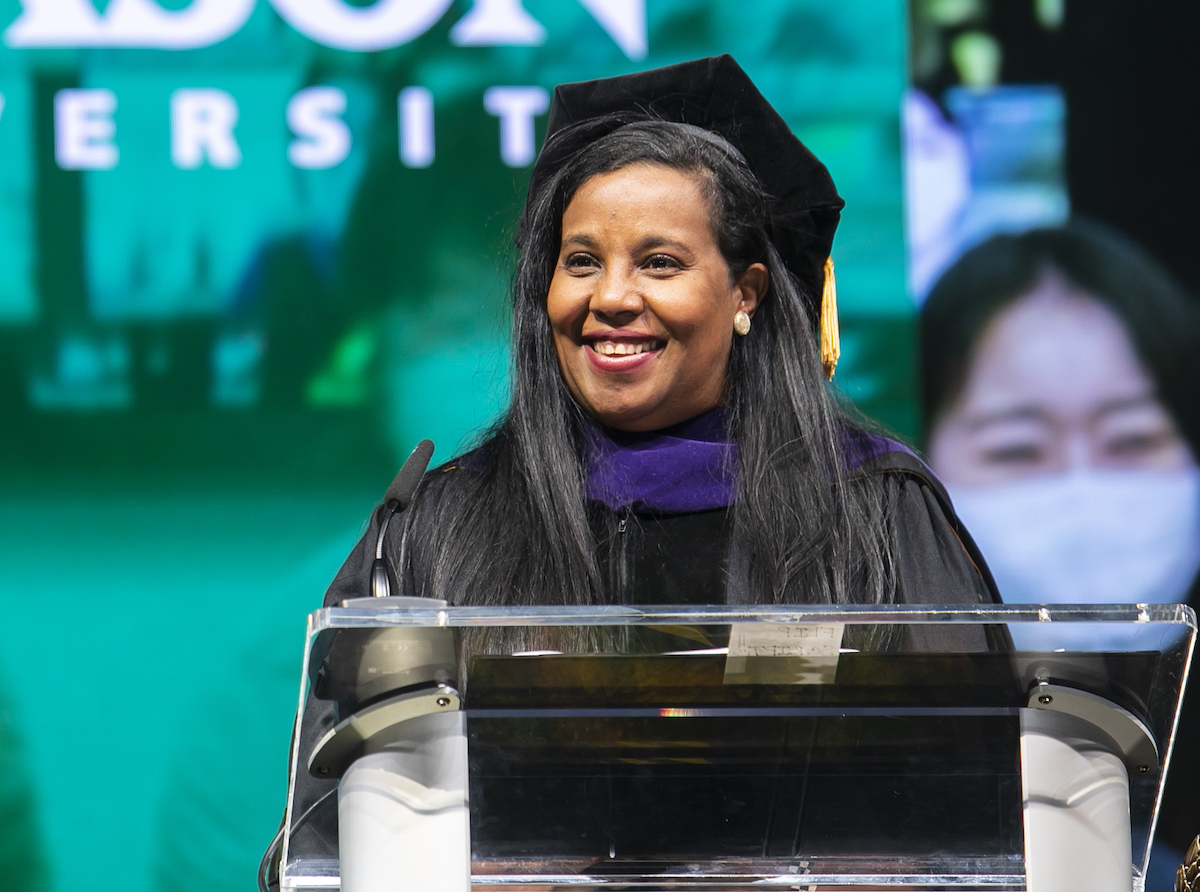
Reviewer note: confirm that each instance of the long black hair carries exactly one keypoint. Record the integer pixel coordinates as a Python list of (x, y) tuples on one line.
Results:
[(508, 522)]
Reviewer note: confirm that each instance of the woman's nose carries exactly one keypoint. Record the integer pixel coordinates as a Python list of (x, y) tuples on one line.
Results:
[(1078, 450), (616, 297)]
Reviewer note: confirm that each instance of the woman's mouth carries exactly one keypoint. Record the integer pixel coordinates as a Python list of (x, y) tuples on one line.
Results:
[(619, 348), (622, 354)]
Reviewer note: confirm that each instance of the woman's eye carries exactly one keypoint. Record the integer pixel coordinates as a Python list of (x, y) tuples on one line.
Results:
[(580, 262), (1138, 435), (1135, 444), (661, 262), (1014, 455)]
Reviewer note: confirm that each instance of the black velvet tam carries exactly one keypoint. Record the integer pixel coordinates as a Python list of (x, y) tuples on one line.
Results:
[(714, 94)]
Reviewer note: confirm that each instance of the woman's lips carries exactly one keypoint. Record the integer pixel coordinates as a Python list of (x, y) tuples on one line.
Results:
[(621, 355)]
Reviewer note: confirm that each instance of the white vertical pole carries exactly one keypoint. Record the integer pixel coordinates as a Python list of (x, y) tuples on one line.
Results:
[(1076, 807), (403, 821)]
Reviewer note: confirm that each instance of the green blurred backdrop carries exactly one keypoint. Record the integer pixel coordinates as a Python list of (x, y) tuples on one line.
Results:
[(209, 374)]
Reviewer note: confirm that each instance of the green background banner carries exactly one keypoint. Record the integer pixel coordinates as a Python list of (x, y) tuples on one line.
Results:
[(249, 254)]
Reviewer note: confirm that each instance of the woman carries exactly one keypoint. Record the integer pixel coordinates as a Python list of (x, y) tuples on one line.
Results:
[(1062, 409), (670, 437), (1060, 384)]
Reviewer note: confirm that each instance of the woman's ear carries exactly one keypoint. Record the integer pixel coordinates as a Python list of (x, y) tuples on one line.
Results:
[(751, 287)]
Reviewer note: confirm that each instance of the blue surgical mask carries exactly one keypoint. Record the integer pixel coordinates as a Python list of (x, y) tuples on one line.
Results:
[(1088, 536)]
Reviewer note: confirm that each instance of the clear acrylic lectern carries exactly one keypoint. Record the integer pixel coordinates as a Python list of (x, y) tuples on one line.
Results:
[(735, 748)]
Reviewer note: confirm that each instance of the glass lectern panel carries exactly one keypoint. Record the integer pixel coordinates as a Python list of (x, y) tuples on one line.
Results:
[(744, 747)]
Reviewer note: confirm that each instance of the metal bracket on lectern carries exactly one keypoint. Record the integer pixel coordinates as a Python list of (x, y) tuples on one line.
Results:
[(376, 726), (1132, 740)]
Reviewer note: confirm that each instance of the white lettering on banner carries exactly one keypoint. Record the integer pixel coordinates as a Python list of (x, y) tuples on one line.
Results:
[(380, 26), (516, 107), (335, 23), (55, 23), (202, 123), (625, 22), (323, 139), (415, 107), (498, 23), (126, 23), (84, 128)]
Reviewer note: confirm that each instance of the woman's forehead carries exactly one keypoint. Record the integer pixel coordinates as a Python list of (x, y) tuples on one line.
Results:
[(640, 174), (1056, 350), (646, 197)]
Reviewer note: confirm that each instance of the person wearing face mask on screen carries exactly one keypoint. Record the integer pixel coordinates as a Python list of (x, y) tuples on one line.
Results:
[(1061, 409)]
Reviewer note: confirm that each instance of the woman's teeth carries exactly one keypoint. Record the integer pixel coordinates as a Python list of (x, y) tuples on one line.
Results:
[(614, 348)]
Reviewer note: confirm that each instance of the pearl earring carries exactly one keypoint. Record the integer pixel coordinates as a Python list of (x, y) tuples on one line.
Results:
[(741, 322)]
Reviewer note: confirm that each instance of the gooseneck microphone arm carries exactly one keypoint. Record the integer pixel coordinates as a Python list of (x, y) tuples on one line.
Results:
[(398, 497)]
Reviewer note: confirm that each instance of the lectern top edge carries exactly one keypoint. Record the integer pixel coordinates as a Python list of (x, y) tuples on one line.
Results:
[(374, 611)]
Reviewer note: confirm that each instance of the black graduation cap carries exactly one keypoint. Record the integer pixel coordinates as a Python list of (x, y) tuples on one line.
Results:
[(717, 95)]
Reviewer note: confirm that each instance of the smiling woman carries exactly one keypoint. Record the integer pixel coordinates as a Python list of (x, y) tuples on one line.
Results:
[(641, 301), (671, 438)]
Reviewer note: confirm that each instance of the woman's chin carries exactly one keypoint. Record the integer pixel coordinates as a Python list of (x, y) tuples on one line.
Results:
[(636, 419), (625, 416)]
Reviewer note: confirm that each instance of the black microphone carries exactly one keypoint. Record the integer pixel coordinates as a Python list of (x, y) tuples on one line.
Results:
[(399, 496)]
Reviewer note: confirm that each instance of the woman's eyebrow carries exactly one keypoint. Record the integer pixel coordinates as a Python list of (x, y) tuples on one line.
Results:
[(1123, 404), (1016, 413), (582, 240), (650, 242)]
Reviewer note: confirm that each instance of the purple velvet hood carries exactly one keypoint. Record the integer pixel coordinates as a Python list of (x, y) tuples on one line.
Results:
[(687, 467)]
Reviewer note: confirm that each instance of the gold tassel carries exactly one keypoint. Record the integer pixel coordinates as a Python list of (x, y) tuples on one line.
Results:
[(831, 343)]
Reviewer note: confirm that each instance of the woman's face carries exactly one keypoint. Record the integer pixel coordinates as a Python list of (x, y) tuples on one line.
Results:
[(1054, 385), (642, 302)]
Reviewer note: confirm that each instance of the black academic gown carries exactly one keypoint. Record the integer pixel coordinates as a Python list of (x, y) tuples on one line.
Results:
[(683, 559)]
